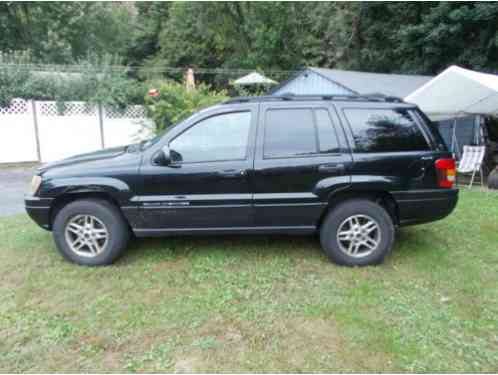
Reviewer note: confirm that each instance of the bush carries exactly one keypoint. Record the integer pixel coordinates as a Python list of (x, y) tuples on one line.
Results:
[(96, 81), (174, 102), (13, 76)]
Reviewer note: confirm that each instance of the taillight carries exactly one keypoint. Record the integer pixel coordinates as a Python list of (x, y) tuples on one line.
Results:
[(446, 172)]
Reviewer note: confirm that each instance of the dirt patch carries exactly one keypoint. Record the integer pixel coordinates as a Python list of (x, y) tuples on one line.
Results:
[(111, 360), (171, 265), (188, 365), (295, 344)]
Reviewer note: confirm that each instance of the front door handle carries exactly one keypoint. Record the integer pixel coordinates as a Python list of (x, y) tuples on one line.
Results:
[(232, 173), (331, 168)]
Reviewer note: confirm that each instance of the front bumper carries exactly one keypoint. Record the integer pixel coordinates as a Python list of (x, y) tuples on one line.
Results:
[(424, 206), (39, 210)]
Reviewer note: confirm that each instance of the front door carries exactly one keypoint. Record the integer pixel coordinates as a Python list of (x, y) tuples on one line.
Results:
[(301, 150), (206, 185)]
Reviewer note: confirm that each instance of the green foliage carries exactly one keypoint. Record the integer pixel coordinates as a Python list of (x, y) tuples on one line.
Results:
[(62, 33), (230, 34), (12, 78), (390, 37), (175, 103), (151, 18), (418, 37), (96, 81)]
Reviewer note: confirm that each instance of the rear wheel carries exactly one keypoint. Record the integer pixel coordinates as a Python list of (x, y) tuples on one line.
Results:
[(90, 232), (357, 233)]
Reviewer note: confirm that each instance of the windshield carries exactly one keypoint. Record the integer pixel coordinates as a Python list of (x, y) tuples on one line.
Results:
[(150, 142)]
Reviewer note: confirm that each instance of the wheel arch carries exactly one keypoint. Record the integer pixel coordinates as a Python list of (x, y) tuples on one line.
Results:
[(383, 198), (73, 195)]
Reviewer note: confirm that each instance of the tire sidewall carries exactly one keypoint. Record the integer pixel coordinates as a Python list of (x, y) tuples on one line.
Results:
[(109, 215), (328, 232)]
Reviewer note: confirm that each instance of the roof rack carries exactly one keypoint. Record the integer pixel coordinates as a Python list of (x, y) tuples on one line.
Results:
[(290, 97)]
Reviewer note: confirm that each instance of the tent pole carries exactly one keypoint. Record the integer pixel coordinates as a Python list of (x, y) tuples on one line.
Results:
[(454, 142)]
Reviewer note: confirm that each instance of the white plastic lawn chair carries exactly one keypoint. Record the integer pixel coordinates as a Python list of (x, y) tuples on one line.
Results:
[(471, 162)]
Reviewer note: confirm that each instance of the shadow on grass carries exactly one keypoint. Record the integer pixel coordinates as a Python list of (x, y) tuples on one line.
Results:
[(410, 243), (236, 246)]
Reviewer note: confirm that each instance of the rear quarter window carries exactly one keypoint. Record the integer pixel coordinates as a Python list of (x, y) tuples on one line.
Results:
[(385, 130)]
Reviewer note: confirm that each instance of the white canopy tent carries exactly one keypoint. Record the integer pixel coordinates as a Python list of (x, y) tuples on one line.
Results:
[(457, 92), (457, 99), (254, 78)]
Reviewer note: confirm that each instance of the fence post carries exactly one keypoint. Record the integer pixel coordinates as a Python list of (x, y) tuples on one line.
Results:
[(101, 124), (37, 135)]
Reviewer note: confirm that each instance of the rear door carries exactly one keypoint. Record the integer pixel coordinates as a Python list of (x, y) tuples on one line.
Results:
[(299, 146)]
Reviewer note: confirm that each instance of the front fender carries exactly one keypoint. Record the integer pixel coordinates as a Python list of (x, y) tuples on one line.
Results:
[(116, 188)]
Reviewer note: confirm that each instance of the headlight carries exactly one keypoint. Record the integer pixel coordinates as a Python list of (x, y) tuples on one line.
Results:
[(35, 184)]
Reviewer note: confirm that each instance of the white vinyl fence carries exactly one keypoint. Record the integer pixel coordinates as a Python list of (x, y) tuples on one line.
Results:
[(43, 131)]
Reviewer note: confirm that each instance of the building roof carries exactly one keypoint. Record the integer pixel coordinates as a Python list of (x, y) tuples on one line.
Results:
[(358, 83), (399, 85)]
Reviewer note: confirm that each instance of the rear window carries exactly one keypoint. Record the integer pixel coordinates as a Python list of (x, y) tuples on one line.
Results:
[(295, 132), (385, 130)]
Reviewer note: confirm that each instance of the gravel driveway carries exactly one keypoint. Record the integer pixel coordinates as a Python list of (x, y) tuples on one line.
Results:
[(14, 182)]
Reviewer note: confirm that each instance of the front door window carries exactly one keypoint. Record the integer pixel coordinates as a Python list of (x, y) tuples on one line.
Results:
[(218, 138)]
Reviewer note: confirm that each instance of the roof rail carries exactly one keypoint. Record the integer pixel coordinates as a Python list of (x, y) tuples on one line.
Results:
[(289, 97)]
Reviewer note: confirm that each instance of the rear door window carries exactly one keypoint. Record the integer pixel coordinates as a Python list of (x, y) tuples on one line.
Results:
[(385, 130), (297, 132)]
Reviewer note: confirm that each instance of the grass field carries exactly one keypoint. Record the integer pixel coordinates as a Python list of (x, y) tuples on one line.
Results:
[(260, 304)]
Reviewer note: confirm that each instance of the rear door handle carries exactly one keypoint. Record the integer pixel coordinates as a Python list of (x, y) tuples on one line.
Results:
[(232, 173), (331, 168)]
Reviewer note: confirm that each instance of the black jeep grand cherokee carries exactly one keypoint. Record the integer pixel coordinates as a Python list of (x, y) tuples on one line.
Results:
[(351, 168)]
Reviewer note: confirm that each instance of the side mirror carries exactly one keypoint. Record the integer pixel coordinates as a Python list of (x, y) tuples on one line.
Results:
[(163, 157)]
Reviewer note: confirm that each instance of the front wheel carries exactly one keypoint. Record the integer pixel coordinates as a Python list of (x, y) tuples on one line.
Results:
[(357, 233), (90, 232)]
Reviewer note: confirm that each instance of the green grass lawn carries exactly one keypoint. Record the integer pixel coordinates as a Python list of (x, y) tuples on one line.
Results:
[(260, 304)]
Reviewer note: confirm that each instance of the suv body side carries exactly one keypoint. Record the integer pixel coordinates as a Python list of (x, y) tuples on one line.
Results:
[(257, 192)]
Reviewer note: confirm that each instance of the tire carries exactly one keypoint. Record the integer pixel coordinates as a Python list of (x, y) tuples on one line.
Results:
[(90, 232), (350, 218), (493, 179)]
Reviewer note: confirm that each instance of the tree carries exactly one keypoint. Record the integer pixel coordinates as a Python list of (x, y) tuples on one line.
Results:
[(390, 37), (151, 18), (451, 33), (61, 33)]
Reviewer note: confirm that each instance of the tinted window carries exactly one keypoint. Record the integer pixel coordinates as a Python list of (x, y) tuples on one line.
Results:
[(327, 137), (222, 137), (385, 130), (289, 132)]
